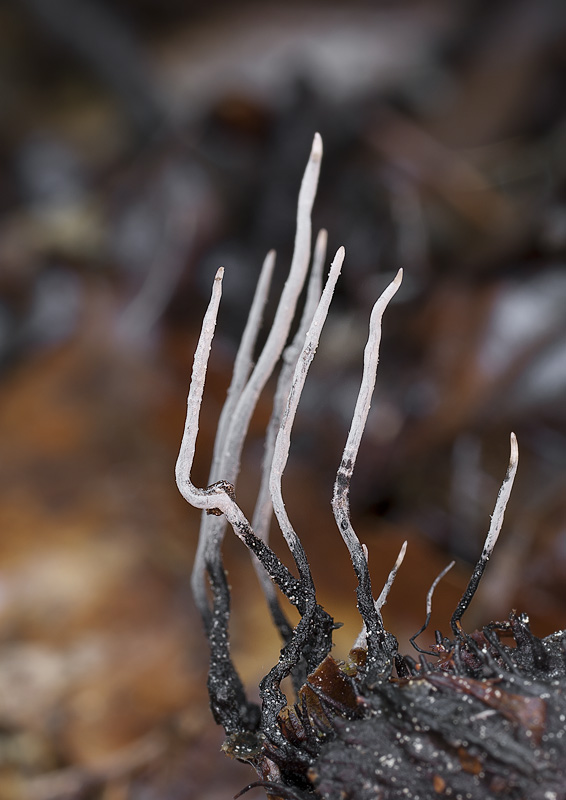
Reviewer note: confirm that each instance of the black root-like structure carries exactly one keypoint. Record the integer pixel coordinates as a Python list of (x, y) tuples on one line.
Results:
[(484, 716)]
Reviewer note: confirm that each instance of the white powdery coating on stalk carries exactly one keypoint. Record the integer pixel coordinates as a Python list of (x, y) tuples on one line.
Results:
[(283, 441), (311, 639), (340, 499), (230, 461), (263, 509), (242, 368), (262, 512), (186, 456), (243, 362), (382, 599), (491, 538), (216, 496), (502, 500), (228, 454)]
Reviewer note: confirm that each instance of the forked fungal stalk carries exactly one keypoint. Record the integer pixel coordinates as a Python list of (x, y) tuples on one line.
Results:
[(481, 720), (283, 440), (263, 511), (229, 448)]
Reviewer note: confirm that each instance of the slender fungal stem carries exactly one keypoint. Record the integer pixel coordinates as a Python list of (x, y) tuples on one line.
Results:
[(227, 459), (243, 363), (264, 508), (491, 538), (361, 641), (283, 441), (186, 456), (429, 596), (340, 500)]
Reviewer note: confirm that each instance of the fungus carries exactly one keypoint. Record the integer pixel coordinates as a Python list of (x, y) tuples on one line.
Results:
[(482, 719)]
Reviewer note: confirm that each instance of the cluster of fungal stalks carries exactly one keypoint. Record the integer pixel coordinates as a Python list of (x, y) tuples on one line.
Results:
[(484, 716)]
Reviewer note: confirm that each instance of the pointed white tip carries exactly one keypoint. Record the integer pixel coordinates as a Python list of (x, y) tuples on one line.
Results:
[(219, 274), (336, 265), (316, 151), (514, 458)]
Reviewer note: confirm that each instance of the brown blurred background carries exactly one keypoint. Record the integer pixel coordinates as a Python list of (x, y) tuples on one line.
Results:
[(142, 144)]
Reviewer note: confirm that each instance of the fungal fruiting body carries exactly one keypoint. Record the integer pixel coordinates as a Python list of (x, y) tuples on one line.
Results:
[(484, 716)]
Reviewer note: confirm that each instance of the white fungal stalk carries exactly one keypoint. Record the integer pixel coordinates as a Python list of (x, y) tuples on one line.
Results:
[(246, 390), (283, 441), (492, 535), (307, 645)]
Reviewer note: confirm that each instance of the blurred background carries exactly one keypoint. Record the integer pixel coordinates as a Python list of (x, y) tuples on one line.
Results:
[(143, 143)]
